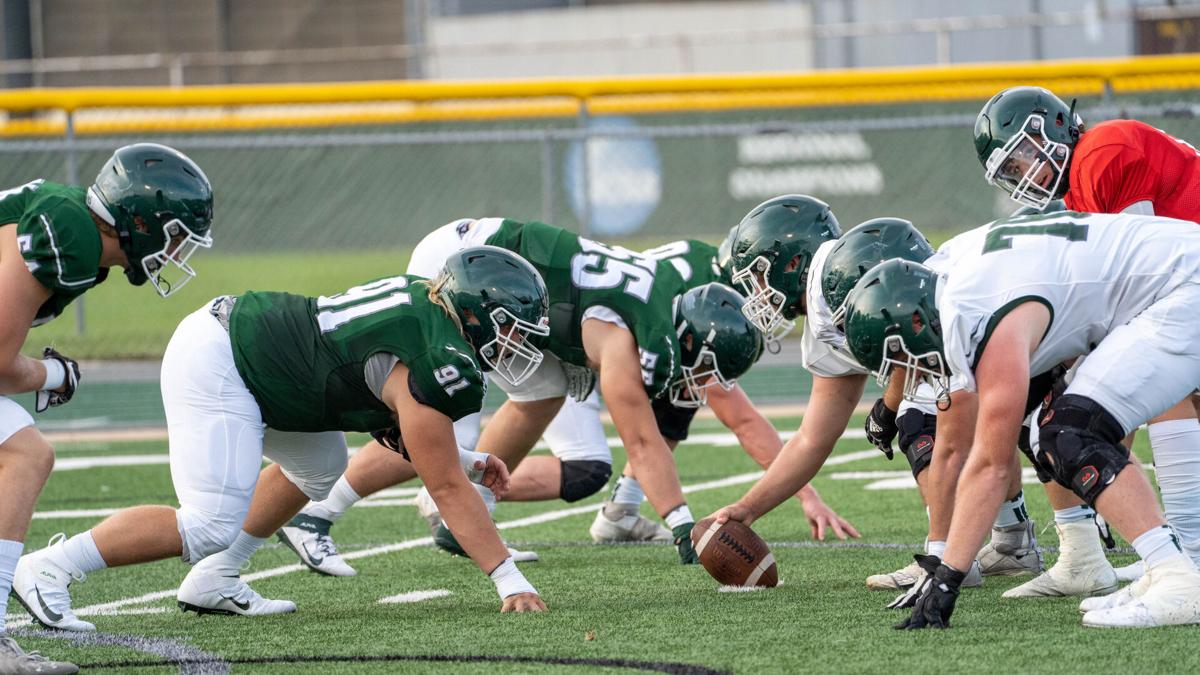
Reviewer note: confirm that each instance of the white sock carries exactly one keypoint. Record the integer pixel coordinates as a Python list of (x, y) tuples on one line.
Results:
[(1176, 445), (340, 498), (628, 491), (82, 552), (10, 553), (1012, 511), (1157, 545), (229, 562), (1074, 514), (937, 548), (679, 516)]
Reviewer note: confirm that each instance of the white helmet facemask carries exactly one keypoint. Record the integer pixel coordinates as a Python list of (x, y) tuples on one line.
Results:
[(511, 354), (168, 269), (764, 305), (1015, 166), (926, 381)]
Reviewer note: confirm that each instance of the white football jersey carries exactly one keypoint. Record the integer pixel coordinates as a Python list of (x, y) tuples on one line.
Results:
[(1092, 271), (823, 348)]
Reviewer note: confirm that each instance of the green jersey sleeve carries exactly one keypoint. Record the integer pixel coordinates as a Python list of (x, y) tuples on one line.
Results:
[(58, 240), (448, 381)]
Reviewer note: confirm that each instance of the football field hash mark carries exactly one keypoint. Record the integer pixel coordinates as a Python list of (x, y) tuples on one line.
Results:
[(415, 596)]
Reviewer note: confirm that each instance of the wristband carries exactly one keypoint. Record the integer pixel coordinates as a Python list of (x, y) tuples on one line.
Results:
[(468, 458), (56, 374), (678, 516), (509, 580)]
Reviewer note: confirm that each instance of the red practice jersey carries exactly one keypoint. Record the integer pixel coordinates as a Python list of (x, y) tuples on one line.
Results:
[(1121, 162)]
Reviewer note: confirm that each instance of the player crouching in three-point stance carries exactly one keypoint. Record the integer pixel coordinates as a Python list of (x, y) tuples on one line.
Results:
[(1013, 299), (148, 211), (283, 376)]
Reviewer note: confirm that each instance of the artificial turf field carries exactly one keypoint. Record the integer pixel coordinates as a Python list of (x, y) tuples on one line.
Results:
[(631, 607)]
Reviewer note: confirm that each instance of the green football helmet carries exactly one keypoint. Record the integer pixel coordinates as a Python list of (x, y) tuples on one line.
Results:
[(863, 247), (1054, 206), (892, 322), (769, 255), (501, 302), (1024, 137), (161, 205), (717, 342)]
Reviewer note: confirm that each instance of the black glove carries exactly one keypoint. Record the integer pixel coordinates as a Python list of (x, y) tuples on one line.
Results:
[(683, 543), (881, 427), (390, 439), (47, 398), (936, 604)]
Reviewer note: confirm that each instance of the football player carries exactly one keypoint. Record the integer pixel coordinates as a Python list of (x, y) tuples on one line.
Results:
[(838, 381), (149, 209), (1016, 298), (283, 376), (1034, 147)]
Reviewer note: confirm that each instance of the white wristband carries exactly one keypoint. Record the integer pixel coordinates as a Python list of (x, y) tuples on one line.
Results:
[(509, 580), (468, 458), (56, 374)]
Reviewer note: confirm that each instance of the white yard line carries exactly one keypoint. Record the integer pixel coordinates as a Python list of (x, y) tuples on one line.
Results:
[(546, 517), (415, 596), (21, 620)]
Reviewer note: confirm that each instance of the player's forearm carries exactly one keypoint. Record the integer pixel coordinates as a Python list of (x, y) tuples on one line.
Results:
[(791, 471), (948, 461), (465, 514), (22, 375), (655, 468), (981, 490)]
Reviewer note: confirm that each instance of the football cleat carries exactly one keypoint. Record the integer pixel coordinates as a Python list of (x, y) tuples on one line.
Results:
[(622, 522), (444, 539), (17, 661), (1131, 572), (1124, 596), (1170, 598), (309, 537), (205, 593), (41, 582), (907, 577), (1081, 568), (1013, 551)]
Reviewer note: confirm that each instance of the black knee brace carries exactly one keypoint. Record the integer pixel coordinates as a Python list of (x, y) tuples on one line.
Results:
[(1081, 445), (583, 478), (917, 431), (673, 421)]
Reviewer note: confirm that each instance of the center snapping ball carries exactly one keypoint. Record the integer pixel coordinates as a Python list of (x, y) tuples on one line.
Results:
[(733, 554)]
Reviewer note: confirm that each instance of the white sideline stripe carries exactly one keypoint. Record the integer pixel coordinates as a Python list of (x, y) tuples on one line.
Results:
[(426, 541), (77, 463), (415, 596), (22, 620)]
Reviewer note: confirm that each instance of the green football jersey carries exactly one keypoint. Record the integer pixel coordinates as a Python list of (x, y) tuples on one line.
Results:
[(581, 273), (304, 359), (57, 238), (695, 260)]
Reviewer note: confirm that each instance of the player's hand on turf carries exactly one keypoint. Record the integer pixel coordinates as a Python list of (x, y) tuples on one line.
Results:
[(48, 398), (734, 512), (495, 475), (683, 543), (936, 604), (823, 519), (881, 427), (523, 602)]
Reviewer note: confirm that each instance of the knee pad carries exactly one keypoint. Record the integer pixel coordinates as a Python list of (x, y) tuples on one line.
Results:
[(1081, 445), (583, 478), (916, 431), (204, 534), (673, 421)]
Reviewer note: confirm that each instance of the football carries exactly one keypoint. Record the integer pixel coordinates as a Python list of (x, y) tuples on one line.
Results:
[(733, 554)]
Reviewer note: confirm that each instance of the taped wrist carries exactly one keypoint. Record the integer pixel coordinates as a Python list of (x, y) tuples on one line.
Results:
[(56, 374), (509, 580), (468, 458)]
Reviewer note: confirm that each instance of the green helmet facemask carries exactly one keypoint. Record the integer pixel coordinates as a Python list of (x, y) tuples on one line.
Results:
[(769, 255), (892, 322), (718, 344), (863, 247), (1024, 137), (161, 205), (501, 303)]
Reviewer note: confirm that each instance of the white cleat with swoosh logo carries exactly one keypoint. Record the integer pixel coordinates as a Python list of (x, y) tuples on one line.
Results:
[(206, 593), (309, 538), (41, 582)]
